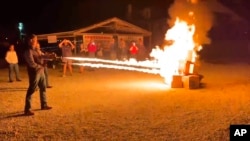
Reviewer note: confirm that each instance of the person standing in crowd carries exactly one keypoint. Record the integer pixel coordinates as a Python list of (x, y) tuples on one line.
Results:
[(35, 69), (92, 48), (83, 52), (112, 49), (67, 48), (123, 49), (133, 49), (142, 54), (45, 60), (99, 51), (12, 60)]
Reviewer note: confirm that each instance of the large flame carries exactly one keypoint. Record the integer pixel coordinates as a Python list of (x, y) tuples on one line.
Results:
[(170, 60), (173, 57)]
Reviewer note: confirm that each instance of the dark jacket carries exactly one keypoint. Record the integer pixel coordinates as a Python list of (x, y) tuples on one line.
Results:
[(34, 61)]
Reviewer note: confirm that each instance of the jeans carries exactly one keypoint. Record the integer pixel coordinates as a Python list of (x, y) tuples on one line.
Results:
[(36, 79), (46, 76), (13, 68)]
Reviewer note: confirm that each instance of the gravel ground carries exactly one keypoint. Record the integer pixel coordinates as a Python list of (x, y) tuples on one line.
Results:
[(115, 105)]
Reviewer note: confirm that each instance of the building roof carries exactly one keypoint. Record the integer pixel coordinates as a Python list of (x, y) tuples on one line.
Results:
[(109, 26)]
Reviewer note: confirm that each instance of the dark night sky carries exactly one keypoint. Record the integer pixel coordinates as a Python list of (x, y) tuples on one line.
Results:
[(45, 16)]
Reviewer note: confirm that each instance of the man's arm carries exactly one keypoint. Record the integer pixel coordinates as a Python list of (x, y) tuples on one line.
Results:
[(7, 57), (28, 56), (60, 44), (71, 44)]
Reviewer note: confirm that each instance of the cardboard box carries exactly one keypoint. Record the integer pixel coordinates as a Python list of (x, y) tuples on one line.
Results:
[(189, 68), (191, 81), (177, 81)]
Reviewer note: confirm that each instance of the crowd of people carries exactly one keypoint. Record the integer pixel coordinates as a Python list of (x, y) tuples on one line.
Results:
[(119, 50), (37, 70), (115, 49), (36, 62)]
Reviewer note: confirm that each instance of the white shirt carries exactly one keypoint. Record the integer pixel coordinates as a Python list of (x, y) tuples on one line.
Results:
[(11, 57)]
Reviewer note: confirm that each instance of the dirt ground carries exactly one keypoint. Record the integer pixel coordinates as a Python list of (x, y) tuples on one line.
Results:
[(115, 105)]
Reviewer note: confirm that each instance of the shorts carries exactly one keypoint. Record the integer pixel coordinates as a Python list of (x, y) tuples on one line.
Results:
[(65, 60)]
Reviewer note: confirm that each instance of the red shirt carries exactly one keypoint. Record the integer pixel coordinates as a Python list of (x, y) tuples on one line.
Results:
[(92, 47), (133, 49)]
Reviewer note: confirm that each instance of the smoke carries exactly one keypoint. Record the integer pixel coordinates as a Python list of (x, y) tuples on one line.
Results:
[(193, 12)]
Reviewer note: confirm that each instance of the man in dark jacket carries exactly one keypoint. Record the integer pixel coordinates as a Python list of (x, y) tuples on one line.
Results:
[(36, 75)]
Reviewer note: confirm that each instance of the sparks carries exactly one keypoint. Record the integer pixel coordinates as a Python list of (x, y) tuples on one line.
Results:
[(131, 62), (114, 66)]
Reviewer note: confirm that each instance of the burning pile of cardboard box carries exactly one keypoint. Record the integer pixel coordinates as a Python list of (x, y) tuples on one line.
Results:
[(189, 77)]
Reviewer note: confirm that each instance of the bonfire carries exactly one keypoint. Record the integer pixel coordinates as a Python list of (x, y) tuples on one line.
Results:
[(177, 60)]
